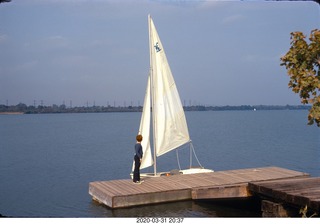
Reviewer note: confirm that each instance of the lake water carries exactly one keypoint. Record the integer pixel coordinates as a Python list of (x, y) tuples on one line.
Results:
[(48, 160)]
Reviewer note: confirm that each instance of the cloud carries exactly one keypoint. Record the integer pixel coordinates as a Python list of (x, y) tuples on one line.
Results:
[(55, 41), (44, 44), (73, 61), (179, 3), (3, 38), (211, 4), (25, 66), (233, 19)]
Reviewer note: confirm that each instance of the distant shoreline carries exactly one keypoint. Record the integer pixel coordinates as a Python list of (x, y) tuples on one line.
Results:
[(11, 113), (54, 109)]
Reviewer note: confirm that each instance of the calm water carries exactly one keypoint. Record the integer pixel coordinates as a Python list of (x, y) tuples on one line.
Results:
[(47, 161)]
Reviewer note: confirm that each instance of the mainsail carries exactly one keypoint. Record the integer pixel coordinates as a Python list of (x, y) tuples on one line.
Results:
[(170, 126), (170, 129)]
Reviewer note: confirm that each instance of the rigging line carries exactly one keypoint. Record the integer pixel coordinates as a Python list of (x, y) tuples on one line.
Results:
[(190, 147), (195, 155), (178, 160)]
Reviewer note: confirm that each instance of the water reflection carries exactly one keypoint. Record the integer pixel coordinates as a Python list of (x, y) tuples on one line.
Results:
[(203, 208)]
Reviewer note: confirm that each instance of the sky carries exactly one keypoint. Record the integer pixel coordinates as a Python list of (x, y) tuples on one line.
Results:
[(81, 52)]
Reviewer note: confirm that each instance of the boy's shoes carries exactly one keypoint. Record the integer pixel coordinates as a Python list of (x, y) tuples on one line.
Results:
[(138, 182)]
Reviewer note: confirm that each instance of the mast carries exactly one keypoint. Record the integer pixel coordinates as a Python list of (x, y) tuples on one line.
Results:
[(152, 96)]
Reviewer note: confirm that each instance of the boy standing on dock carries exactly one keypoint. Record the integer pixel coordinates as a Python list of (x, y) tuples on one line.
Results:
[(137, 160)]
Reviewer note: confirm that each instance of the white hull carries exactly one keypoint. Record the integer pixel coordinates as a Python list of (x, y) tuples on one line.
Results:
[(176, 172)]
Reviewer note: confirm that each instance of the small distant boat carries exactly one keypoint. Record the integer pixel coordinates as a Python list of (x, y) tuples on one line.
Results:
[(163, 112)]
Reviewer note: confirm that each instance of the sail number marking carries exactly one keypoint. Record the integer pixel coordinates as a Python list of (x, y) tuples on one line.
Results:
[(158, 49)]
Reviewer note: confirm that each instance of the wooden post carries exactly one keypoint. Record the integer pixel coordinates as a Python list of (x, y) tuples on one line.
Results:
[(273, 209)]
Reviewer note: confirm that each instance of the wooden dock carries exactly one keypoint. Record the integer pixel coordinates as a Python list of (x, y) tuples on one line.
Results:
[(297, 192), (221, 184)]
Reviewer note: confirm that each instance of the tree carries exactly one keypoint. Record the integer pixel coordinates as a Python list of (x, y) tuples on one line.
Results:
[(302, 62)]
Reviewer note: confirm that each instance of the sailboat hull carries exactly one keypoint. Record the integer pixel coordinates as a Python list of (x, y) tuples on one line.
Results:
[(176, 172)]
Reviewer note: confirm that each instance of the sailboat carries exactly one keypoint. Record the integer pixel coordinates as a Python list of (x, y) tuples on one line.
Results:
[(163, 112)]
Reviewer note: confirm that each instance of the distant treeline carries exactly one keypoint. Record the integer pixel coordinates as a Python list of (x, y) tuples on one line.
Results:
[(23, 108), (247, 107)]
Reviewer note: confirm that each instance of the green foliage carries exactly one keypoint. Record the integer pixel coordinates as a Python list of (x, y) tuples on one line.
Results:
[(304, 210), (302, 62)]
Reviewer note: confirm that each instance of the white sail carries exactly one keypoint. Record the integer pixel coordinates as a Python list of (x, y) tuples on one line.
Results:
[(144, 130), (162, 101), (170, 126)]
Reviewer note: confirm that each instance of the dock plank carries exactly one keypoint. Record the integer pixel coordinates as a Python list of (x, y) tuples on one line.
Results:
[(221, 184), (296, 191)]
